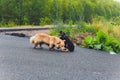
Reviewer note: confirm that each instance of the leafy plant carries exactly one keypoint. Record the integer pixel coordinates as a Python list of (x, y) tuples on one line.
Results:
[(116, 21), (89, 41), (102, 42), (3, 23), (25, 20), (53, 32), (45, 21), (11, 24), (60, 27)]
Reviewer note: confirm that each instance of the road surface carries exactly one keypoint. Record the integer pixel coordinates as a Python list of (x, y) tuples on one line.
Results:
[(19, 61)]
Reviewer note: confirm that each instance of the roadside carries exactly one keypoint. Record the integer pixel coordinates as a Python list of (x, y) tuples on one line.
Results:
[(26, 30), (22, 32)]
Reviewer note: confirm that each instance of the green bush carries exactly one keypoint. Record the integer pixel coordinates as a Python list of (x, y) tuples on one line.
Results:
[(61, 27), (82, 27), (116, 21), (102, 42), (11, 24), (25, 20), (53, 32), (45, 21), (3, 24)]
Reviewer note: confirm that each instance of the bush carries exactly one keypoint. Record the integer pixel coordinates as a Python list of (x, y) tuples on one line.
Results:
[(82, 27), (102, 42), (60, 27), (45, 21), (25, 20), (116, 21), (11, 24), (3, 23), (54, 32)]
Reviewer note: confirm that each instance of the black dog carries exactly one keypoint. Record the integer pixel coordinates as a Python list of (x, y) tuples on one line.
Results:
[(68, 43)]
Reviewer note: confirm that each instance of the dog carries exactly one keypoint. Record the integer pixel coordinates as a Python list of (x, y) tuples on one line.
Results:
[(68, 43), (51, 41)]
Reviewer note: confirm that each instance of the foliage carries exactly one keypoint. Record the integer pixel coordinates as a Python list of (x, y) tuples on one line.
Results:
[(99, 23), (44, 21), (2, 23), (116, 21), (28, 12), (67, 29), (102, 42), (11, 24), (54, 32), (25, 20), (82, 27)]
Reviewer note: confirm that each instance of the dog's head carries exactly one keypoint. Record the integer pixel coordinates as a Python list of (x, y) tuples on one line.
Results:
[(61, 44), (61, 33)]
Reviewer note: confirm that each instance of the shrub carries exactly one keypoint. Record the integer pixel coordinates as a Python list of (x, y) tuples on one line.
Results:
[(60, 27), (45, 20), (3, 23), (102, 42), (25, 20), (11, 24), (54, 32), (116, 21), (82, 27)]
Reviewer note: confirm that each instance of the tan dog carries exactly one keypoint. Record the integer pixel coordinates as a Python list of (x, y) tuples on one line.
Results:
[(51, 41)]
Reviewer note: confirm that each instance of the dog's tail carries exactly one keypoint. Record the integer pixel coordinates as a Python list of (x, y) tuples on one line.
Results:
[(32, 39)]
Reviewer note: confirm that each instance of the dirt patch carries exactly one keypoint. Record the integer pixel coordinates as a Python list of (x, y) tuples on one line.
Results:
[(80, 38)]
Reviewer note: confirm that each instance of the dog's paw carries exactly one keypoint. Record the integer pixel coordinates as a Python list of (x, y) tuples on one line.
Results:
[(51, 49), (41, 47)]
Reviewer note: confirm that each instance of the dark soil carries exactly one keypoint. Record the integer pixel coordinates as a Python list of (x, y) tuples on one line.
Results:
[(80, 38)]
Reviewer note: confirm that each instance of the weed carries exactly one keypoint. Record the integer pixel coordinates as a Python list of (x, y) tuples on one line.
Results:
[(102, 42)]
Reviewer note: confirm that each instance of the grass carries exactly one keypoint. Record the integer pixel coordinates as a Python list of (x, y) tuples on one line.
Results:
[(108, 28)]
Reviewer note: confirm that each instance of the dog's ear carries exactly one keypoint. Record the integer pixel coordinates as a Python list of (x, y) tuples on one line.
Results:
[(58, 42), (60, 31)]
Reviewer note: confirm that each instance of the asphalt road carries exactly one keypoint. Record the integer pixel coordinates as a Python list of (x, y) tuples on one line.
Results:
[(19, 61)]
